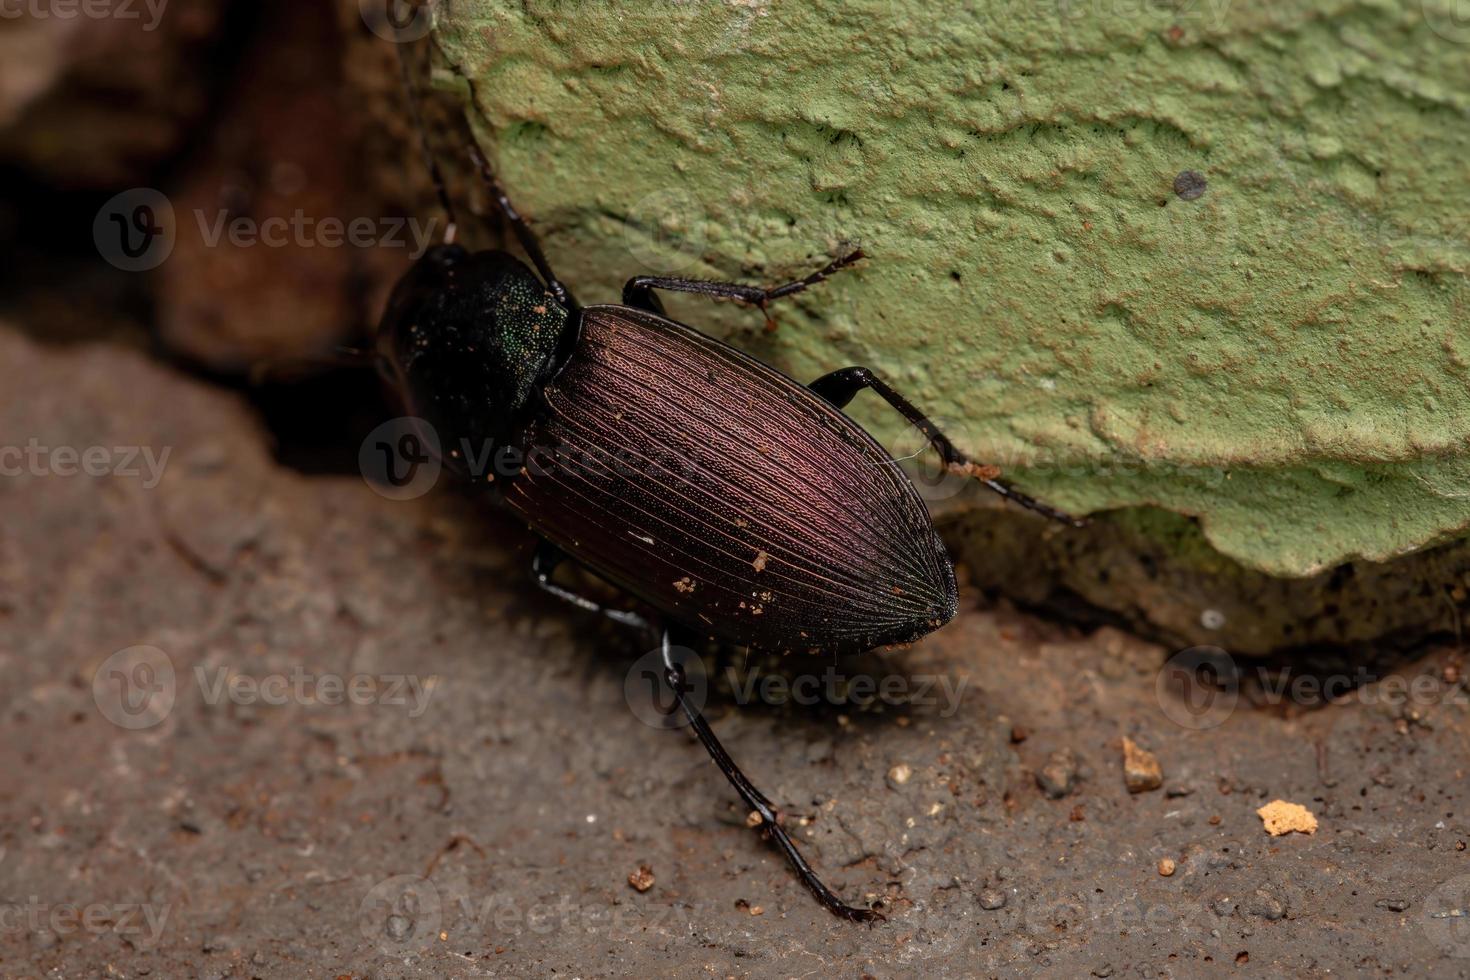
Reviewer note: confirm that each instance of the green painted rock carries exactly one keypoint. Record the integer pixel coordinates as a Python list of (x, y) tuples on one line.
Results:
[(1204, 257)]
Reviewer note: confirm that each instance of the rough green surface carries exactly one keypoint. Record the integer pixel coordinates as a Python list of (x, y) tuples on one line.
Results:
[(1286, 357)]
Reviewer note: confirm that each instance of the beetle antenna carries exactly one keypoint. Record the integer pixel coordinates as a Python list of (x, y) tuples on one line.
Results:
[(435, 173), (520, 228)]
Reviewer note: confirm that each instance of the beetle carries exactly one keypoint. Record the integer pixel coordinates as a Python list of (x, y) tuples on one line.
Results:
[(729, 498)]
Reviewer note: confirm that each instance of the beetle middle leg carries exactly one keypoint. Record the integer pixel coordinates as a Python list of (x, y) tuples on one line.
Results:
[(543, 564), (841, 386), (754, 798), (638, 291), (546, 559)]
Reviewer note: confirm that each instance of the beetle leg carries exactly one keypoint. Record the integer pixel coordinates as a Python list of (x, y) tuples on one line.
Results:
[(544, 562), (755, 799), (639, 290), (642, 298), (522, 231), (842, 385)]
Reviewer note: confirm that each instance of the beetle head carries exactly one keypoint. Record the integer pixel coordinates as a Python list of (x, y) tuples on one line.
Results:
[(467, 337)]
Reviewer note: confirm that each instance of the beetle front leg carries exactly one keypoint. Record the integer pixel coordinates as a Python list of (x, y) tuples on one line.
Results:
[(638, 291), (842, 385), (753, 798)]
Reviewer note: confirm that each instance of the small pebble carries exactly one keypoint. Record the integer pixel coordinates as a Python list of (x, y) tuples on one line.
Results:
[(642, 879), (992, 899), (1059, 775), (1266, 905), (1141, 770), (1391, 904), (1280, 817), (899, 775), (1166, 867)]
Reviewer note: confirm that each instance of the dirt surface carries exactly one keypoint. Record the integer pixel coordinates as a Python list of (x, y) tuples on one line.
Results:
[(179, 798)]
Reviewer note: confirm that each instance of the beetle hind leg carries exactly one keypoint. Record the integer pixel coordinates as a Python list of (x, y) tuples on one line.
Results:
[(755, 799), (841, 386)]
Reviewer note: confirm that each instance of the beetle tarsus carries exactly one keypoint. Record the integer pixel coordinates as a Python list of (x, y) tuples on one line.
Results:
[(756, 800)]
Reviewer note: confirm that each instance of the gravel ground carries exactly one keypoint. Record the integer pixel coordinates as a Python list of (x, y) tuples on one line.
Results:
[(266, 724)]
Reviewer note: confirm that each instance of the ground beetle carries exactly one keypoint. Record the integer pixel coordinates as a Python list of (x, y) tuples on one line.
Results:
[(729, 498)]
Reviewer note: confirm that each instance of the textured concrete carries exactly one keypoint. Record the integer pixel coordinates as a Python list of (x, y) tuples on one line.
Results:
[(1205, 255)]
